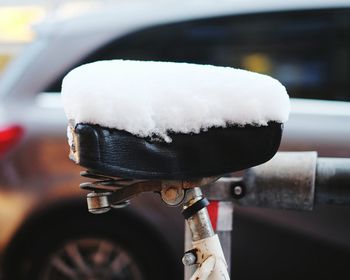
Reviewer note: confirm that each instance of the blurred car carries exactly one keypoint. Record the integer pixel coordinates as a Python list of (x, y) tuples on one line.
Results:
[(45, 229)]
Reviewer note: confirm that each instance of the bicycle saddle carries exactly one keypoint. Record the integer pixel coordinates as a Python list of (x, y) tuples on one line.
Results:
[(156, 120)]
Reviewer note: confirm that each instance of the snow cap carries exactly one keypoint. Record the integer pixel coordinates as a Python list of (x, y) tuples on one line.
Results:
[(151, 99)]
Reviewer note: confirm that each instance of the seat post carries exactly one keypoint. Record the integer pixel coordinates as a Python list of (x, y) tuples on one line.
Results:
[(206, 250), (199, 224)]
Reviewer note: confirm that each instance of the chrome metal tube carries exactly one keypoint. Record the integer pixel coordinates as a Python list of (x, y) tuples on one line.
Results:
[(199, 224), (333, 181)]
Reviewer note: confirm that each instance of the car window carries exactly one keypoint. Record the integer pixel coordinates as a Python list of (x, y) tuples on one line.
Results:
[(308, 51)]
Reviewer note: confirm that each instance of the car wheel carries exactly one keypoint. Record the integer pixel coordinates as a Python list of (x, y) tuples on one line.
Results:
[(111, 246), (91, 259)]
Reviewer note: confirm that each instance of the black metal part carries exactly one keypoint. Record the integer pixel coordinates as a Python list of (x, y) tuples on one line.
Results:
[(333, 181), (195, 207), (222, 189), (217, 151), (238, 189)]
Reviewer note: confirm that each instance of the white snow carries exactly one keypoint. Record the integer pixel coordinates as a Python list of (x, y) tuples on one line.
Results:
[(151, 99)]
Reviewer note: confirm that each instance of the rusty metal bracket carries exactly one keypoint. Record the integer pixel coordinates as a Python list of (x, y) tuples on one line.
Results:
[(112, 192)]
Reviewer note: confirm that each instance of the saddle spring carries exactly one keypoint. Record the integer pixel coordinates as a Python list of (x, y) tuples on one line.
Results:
[(101, 191), (103, 182)]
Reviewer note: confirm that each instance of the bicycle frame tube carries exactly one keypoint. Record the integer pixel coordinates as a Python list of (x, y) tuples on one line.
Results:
[(206, 251)]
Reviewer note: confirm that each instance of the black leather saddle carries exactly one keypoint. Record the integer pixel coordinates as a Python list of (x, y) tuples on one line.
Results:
[(209, 153)]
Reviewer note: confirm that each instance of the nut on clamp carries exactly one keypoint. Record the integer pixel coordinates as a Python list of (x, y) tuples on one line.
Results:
[(98, 202)]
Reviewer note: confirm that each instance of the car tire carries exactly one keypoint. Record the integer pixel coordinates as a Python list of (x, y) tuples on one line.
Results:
[(35, 251)]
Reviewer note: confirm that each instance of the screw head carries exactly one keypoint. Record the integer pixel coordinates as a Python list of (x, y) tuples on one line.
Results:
[(189, 259), (172, 196), (238, 190)]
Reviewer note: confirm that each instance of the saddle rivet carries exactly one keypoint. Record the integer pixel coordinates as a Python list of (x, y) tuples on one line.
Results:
[(172, 196)]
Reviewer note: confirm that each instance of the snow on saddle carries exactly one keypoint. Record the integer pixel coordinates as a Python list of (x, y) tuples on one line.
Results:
[(163, 120)]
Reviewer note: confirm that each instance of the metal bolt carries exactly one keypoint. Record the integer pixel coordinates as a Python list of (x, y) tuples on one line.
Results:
[(172, 196), (98, 202), (189, 258), (238, 190)]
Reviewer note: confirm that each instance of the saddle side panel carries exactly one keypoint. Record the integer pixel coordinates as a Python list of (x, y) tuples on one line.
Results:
[(209, 153)]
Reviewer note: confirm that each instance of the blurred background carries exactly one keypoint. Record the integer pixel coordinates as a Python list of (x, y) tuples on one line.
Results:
[(45, 229), (18, 20)]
